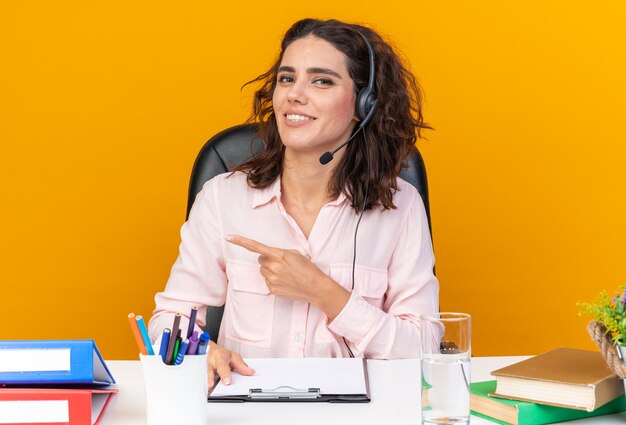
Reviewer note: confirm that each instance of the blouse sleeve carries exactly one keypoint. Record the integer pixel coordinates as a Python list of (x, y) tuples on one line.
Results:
[(412, 289), (198, 276)]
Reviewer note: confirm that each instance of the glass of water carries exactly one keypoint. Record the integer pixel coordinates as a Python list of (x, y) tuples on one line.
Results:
[(446, 353)]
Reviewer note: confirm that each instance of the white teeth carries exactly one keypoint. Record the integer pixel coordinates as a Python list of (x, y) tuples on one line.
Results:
[(294, 117)]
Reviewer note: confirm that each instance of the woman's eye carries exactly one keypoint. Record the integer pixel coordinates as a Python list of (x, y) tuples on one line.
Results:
[(323, 82), (285, 79)]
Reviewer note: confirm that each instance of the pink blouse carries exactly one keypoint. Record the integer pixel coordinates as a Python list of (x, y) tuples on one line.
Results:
[(393, 281)]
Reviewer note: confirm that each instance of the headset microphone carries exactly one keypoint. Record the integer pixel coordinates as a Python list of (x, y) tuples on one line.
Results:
[(328, 156)]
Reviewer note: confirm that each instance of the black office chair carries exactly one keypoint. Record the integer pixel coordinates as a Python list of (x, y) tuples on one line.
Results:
[(235, 145)]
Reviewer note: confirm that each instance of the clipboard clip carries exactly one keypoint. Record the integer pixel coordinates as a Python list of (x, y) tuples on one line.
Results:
[(284, 392)]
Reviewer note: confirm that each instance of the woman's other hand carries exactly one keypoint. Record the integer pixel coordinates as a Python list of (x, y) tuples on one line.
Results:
[(223, 361)]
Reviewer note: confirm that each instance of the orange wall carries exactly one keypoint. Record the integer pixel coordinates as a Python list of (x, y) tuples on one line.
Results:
[(104, 105)]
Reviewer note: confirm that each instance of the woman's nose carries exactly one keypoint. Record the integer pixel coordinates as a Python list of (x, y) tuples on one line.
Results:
[(297, 93)]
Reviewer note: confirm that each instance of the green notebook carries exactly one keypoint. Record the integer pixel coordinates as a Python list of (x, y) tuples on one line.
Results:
[(514, 412)]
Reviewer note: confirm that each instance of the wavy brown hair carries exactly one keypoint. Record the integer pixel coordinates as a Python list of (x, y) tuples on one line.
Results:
[(390, 135)]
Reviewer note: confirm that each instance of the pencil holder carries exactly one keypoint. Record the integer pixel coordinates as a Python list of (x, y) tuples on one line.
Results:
[(176, 394)]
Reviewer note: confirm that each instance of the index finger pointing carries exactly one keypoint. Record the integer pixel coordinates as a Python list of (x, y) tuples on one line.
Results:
[(251, 245)]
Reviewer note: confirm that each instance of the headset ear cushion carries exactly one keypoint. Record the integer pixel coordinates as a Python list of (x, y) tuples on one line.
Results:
[(365, 102)]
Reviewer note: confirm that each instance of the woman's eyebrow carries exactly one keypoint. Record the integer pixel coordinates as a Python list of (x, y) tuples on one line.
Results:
[(311, 71), (323, 71)]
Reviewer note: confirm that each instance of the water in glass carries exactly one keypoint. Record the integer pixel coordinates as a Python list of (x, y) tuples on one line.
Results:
[(445, 388)]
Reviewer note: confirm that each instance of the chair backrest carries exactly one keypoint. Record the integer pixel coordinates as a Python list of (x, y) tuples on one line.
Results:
[(235, 145)]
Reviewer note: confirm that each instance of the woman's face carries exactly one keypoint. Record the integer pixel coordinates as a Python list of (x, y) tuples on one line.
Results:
[(314, 97)]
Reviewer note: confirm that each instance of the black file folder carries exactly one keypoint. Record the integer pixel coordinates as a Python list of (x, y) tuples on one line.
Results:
[(299, 380)]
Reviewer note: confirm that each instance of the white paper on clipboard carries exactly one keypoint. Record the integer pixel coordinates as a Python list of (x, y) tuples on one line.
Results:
[(338, 376)]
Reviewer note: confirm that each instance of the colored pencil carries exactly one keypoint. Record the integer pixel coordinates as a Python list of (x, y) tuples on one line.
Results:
[(192, 321), (137, 334), (144, 335)]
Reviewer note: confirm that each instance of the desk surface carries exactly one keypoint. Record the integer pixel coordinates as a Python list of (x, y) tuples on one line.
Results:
[(394, 386)]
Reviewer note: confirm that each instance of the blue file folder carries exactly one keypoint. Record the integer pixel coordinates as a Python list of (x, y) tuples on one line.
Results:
[(53, 362)]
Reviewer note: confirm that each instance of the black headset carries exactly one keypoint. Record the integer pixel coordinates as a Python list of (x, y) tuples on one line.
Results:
[(366, 102), (366, 99)]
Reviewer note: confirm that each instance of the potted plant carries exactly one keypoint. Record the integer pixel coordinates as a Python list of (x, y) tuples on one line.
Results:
[(608, 327)]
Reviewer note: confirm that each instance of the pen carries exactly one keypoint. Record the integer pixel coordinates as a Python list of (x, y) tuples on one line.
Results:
[(193, 344), (176, 349), (165, 340), (170, 347), (181, 352), (144, 335), (204, 343), (192, 320), (137, 334)]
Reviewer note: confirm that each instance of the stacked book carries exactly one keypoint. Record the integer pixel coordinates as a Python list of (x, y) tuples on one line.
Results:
[(559, 385), (53, 382)]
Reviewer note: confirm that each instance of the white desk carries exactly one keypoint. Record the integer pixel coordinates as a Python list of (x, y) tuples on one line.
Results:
[(394, 386)]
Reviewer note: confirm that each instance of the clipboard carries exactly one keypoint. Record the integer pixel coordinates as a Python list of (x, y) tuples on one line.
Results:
[(333, 380)]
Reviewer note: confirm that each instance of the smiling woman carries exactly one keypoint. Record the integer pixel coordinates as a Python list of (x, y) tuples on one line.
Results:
[(272, 241)]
